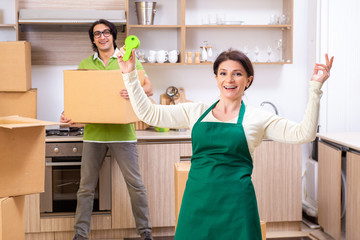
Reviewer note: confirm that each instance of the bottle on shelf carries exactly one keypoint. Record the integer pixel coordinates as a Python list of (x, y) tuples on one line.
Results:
[(189, 57), (197, 57), (203, 54)]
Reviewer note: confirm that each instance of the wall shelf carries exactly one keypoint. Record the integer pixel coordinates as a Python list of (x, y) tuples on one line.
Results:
[(254, 31)]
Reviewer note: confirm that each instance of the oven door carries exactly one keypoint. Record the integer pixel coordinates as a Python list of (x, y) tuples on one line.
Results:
[(62, 179)]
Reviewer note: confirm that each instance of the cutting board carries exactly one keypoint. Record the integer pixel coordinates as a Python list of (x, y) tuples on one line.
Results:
[(164, 99), (182, 97), (178, 98)]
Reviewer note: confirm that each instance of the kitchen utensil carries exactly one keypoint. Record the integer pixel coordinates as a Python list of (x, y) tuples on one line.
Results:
[(182, 97), (145, 12), (174, 52), (234, 22), (203, 54), (162, 53), (173, 58), (197, 57), (159, 129), (189, 57), (140, 54), (164, 99), (152, 58), (131, 42), (256, 52), (209, 52), (171, 92), (269, 51), (161, 58)]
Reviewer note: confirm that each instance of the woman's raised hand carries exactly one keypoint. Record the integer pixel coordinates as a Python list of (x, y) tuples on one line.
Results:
[(322, 71), (129, 65)]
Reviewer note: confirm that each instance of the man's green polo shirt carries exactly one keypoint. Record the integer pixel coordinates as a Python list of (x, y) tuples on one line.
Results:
[(107, 132)]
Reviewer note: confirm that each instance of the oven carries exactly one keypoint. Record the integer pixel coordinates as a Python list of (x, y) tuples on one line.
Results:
[(62, 178)]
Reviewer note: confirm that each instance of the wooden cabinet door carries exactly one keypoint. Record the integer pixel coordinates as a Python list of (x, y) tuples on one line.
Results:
[(352, 195), (329, 189), (156, 161), (277, 181)]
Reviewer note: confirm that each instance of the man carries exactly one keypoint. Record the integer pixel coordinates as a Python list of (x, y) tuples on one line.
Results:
[(119, 138)]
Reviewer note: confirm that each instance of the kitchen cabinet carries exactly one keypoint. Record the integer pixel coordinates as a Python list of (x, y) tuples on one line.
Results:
[(277, 182), (329, 189), (69, 42), (276, 177), (8, 20), (179, 24), (156, 162), (158, 153), (353, 195), (337, 151)]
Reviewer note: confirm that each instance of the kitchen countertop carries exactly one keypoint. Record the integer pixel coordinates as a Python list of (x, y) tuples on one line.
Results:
[(348, 139), (143, 135)]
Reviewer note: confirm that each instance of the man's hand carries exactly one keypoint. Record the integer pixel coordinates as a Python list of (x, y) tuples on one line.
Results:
[(63, 119), (124, 93)]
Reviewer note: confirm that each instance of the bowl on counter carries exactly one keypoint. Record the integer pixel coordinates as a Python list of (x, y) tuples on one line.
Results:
[(159, 129)]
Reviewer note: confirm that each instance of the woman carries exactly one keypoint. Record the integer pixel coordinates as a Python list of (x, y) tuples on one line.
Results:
[(219, 201)]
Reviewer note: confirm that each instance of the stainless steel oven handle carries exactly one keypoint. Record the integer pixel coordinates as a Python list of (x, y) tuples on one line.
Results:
[(51, 164)]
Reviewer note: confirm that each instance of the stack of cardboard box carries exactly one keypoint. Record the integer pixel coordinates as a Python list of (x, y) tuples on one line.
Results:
[(22, 170), (16, 95), (22, 139)]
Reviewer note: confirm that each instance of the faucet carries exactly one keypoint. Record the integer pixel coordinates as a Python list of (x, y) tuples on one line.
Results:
[(270, 103)]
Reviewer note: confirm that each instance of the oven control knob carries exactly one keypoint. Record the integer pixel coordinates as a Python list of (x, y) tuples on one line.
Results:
[(56, 149), (75, 149)]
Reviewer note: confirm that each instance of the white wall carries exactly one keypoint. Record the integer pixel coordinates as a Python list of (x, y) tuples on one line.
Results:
[(339, 36)]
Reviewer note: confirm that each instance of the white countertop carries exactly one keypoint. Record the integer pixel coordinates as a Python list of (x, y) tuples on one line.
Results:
[(144, 135), (348, 139)]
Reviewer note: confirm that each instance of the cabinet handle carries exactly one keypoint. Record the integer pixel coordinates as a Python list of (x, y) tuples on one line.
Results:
[(52, 164)]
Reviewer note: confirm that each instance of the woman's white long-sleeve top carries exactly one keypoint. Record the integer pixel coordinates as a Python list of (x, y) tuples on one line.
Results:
[(258, 124)]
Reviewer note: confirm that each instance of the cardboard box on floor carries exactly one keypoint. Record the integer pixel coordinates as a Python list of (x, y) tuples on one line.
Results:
[(22, 155), (15, 67), (19, 103), (181, 175), (12, 218), (93, 96)]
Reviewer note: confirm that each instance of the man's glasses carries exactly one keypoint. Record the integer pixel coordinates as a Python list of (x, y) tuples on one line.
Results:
[(106, 33)]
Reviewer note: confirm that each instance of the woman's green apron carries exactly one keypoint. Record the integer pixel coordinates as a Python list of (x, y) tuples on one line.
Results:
[(219, 201)]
